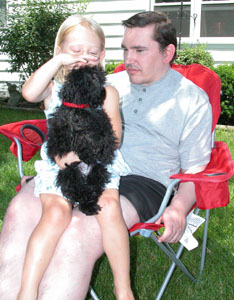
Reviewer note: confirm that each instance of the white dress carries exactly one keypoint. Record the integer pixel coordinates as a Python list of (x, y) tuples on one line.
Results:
[(45, 180)]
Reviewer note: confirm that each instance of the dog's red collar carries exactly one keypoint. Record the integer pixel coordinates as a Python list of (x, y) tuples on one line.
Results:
[(68, 104)]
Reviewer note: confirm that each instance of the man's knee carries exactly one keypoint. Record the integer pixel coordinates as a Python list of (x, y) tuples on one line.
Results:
[(24, 210), (130, 214), (81, 237), (82, 226), (14, 210)]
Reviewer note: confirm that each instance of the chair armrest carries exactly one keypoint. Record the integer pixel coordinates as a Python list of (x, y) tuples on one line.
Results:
[(219, 169), (146, 228)]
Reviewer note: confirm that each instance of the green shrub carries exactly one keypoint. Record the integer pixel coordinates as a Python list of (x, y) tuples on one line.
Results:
[(196, 54), (226, 74), (28, 39), (109, 67)]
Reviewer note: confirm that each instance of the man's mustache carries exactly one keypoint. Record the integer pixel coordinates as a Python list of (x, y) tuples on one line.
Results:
[(131, 66)]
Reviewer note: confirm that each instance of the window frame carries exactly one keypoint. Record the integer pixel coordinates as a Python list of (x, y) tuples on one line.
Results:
[(3, 14), (195, 26)]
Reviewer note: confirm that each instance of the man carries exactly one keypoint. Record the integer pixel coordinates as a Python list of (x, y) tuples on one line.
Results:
[(167, 125)]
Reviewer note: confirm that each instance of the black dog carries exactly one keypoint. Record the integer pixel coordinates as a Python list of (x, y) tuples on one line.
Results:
[(80, 125)]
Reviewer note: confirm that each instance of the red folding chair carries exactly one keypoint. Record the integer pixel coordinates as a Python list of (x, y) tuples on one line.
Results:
[(211, 185), (27, 137)]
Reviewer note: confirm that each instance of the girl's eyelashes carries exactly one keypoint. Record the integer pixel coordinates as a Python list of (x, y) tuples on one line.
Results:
[(77, 51), (80, 52), (85, 50)]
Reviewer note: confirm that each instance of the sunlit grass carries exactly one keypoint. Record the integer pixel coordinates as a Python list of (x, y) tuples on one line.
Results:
[(148, 264)]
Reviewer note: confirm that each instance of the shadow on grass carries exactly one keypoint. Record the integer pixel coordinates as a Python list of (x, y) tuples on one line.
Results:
[(149, 267)]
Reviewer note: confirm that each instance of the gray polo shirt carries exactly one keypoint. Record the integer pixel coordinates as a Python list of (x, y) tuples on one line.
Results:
[(166, 125)]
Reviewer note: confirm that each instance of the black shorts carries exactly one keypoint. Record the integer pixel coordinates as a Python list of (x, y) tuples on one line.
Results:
[(145, 194)]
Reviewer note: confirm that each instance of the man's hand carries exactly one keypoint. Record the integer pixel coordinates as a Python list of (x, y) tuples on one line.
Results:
[(175, 223), (174, 216)]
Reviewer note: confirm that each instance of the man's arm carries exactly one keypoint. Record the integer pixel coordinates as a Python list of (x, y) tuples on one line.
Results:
[(174, 216)]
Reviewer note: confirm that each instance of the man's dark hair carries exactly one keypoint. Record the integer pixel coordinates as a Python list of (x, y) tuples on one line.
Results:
[(164, 31)]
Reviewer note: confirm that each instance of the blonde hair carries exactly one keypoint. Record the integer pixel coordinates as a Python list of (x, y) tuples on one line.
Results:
[(69, 25)]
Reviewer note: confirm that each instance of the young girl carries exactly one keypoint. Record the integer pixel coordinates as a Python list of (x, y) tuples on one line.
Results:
[(80, 41)]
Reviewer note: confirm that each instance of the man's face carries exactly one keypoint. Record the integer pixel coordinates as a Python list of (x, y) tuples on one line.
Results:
[(144, 61)]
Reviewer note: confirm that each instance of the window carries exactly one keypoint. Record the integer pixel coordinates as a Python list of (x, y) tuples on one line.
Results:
[(195, 19), (179, 16), (177, 13), (2, 12), (217, 20)]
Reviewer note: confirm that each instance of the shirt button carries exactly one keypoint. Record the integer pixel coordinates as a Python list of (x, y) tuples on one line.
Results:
[(140, 99), (144, 89), (135, 111)]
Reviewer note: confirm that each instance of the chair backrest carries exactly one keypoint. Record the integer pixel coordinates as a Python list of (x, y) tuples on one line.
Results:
[(207, 80), (25, 132), (203, 77)]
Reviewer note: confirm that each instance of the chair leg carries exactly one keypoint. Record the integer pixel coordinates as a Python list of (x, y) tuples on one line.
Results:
[(169, 274), (205, 234), (93, 294), (19, 157), (178, 254), (175, 262), (173, 257)]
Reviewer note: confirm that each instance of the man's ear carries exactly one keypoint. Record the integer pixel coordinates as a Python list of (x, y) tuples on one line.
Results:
[(169, 52)]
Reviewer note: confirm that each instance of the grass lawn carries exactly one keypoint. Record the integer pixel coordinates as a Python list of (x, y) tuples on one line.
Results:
[(148, 264)]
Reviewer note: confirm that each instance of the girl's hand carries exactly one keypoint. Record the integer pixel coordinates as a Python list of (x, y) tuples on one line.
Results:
[(66, 159), (74, 61)]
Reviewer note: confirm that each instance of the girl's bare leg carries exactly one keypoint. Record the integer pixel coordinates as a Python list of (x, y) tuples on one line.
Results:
[(56, 215), (69, 272), (115, 241)]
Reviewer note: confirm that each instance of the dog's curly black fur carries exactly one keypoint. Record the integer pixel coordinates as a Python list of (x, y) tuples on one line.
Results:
[(88, 133)]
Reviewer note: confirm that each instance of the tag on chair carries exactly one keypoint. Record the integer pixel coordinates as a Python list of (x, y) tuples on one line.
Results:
[(193, 223)]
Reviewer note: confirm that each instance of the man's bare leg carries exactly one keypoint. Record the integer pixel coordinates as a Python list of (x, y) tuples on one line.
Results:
[(22, 216), (70, 270)]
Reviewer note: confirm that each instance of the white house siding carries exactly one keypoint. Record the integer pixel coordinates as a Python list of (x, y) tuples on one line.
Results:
[(109, 14), (222, 50)]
